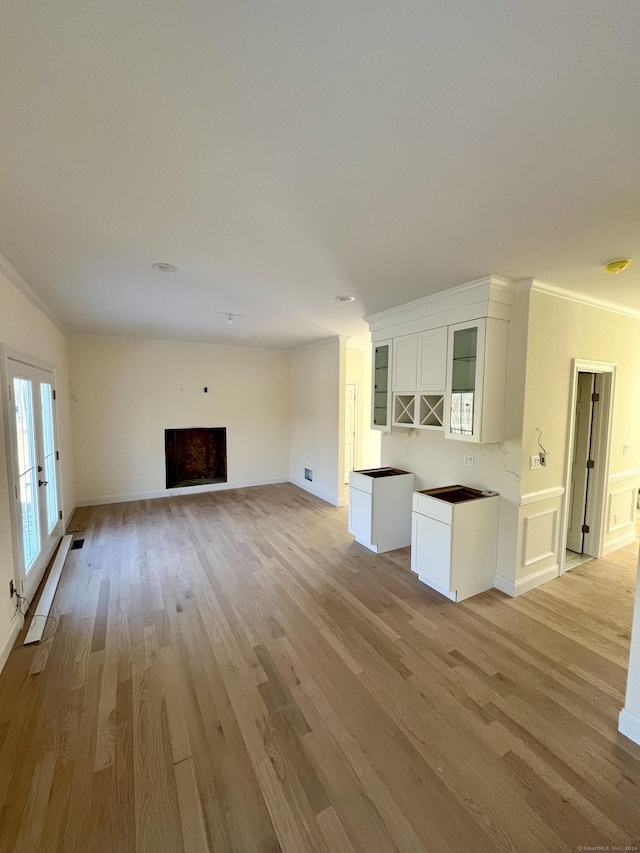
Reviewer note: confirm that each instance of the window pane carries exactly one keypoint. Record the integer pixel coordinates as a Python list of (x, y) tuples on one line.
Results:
[(23, 394), (46, 397)]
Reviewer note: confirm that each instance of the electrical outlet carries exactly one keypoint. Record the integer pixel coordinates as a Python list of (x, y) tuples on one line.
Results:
[(308, 474), (543, 458), (469, 461), (12, 589), (625, 449), (535, 462)]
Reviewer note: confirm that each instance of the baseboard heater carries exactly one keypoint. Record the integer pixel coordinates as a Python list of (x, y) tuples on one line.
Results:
[(39, 620)]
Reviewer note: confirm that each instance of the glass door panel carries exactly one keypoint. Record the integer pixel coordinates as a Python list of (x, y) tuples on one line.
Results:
[(27, 474), (463, 384), (381, 385), (49, 454)]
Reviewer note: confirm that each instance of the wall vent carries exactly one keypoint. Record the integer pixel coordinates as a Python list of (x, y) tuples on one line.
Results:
[(76, 544)]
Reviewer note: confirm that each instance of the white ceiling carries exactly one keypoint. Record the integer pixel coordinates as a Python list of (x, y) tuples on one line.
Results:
[(282, 153)]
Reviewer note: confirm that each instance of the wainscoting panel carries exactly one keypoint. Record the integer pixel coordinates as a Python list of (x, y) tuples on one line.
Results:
[(539, 537), (538, 541), (620, 518)]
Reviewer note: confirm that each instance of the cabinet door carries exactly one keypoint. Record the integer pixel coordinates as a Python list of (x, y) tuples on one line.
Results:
[(381, 386), (431, 550), (432, 360), (405, 364), (464, 381), (360, 514)]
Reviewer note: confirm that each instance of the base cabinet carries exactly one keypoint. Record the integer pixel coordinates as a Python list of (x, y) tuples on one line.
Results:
[(380, 508), (454, 546)]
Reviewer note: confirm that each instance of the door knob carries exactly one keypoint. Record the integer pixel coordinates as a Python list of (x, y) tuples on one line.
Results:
[(42, 482)]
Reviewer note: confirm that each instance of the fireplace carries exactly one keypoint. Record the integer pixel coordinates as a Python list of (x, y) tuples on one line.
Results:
[(196, 456)]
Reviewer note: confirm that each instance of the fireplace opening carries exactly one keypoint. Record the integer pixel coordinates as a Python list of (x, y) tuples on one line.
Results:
[(196, 456)]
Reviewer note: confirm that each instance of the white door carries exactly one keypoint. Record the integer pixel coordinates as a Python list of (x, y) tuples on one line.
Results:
[(350, 427), (34, 471), (579, 469)]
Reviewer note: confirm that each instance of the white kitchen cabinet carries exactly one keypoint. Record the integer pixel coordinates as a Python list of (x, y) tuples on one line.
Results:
[(454, 539), (418, 411), (381, 381), (432, 361), (476, 380), (405, 364), (380, 508)]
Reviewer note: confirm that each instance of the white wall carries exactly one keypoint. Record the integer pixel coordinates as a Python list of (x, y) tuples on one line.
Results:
[(368, 440), (24, 328), (126, 393), (318, 376)]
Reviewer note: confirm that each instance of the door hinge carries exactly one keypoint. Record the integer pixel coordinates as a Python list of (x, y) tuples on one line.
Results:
[(585, 528), (54, 394), (591, 463), (60, 515), (16, 488), (595, 397), (57, 455)]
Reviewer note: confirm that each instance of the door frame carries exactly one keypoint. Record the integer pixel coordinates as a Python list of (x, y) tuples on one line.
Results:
[(356, 438), (6, 354), (601, 443)]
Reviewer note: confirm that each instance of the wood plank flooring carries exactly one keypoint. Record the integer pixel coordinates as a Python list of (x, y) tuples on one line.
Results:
[(230, 672)]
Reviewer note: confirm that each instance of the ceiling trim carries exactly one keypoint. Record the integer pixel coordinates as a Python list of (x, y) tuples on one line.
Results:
[(576, 296), (8, 270), (442, 296)]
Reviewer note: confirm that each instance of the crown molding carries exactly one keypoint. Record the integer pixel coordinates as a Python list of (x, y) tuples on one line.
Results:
[(575, 296), (321, 343), (442, 297), (12, 275)]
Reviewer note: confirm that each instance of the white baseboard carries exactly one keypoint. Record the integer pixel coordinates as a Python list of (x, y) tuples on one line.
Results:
[(629, 725), (304, 484), (39, 620), (619, 542), (514, 588), (9, 640), (185, 490)]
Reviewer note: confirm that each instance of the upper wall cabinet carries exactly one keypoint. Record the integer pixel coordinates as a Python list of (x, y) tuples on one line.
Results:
[(476, 379), (420, 362), (405, 364), (381, 380), (432, 360)]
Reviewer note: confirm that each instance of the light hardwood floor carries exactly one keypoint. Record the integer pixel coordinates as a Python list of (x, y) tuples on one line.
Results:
[(229, 672)]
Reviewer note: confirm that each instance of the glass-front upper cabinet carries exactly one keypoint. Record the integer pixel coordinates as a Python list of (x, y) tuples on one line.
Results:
[(381, 391), (476, 380), (463, 380)]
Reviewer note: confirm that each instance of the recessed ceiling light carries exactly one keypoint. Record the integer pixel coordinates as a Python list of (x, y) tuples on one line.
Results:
[(260, 337), (614, 267), (162, 267), (345, 298), (145, 325)]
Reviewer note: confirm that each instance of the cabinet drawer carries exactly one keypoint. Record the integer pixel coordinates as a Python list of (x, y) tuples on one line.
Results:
[(432, 507), (361, 482)]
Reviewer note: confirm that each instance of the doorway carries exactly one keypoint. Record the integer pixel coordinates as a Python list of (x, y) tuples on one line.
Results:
[(350, 429), (34, 456), (587, 461)]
